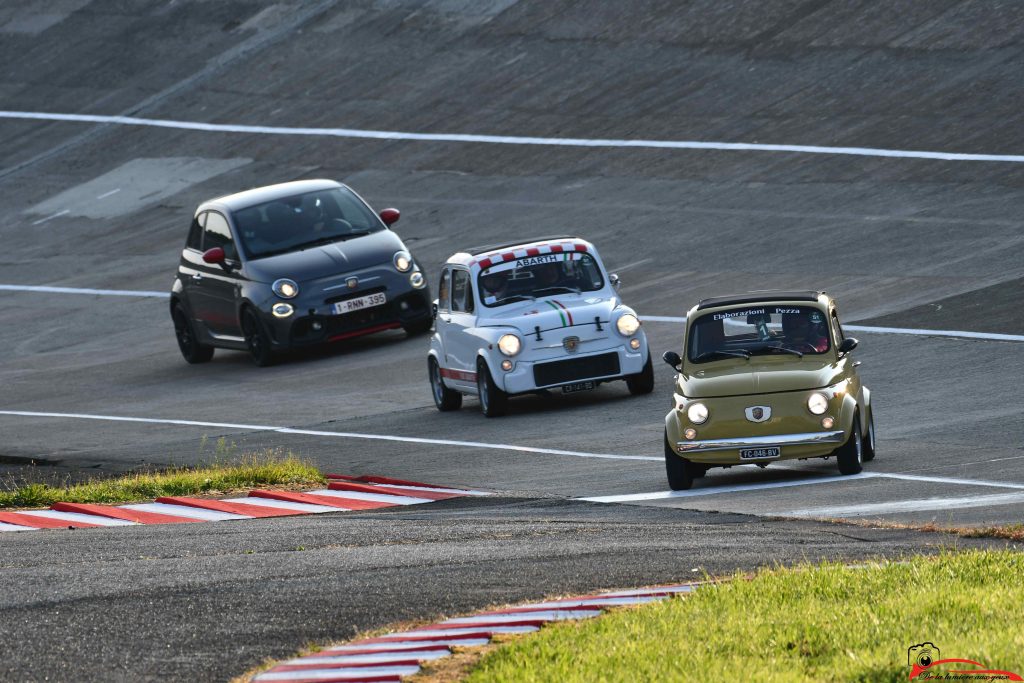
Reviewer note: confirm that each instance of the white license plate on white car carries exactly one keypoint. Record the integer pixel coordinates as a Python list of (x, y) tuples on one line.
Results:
[(358, 304)]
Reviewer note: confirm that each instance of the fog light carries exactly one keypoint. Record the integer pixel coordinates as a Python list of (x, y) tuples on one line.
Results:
[(506, 365), (634, 344), (416, 280), (282, 310), (317, 326), (827, 422), (690, 433)]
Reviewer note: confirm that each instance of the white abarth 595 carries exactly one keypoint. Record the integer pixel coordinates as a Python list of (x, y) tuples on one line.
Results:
[(531, 316)]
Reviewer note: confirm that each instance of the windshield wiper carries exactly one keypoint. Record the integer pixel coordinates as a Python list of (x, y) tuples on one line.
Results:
[(514, 297), (558, 288), (787, 350), (739, 353)]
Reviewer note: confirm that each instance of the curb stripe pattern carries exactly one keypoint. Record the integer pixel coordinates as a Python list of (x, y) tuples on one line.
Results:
[(345, 493), (399, 654)]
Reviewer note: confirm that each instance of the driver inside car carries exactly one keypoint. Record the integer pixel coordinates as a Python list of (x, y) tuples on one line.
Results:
[(495, 286), (801, 330)]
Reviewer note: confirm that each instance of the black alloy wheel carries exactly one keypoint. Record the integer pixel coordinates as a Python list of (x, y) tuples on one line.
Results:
[(256, 340), (191, 350)]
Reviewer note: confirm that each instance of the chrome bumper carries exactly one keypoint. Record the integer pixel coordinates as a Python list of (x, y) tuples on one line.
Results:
[(811, 439)]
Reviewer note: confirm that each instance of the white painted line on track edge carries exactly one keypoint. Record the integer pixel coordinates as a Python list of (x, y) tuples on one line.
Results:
[(513, 139)]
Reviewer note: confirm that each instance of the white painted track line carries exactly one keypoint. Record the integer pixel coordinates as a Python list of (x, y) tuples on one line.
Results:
[(186, 511), (955, 334), (512, 139), (353, 674), (903, 506), (341, 435), (282, 504), (736, 488), (4, 526), (373, 497), (78, 517)]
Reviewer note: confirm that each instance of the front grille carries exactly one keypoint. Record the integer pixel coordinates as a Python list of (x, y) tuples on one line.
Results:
[(575, 369)]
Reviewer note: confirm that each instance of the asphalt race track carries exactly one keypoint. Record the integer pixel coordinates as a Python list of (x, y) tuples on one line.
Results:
[(902, 241)]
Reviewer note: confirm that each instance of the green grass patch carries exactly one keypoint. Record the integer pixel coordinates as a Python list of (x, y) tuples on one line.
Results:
[(267, 468), (824, 622)]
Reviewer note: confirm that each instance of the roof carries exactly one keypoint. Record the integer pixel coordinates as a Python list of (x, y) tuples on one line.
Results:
[(475, 251), (758, 297), (269, 193)]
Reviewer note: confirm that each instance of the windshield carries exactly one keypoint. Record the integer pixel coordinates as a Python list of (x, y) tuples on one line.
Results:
[(532, 277), (302, 221), (766, 329)]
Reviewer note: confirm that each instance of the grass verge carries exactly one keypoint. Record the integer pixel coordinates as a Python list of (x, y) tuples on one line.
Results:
[(266, 468), (824, 622)]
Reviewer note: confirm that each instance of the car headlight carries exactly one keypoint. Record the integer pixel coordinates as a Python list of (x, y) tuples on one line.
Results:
[(282, 310), (817, 403), (510, 344), (627, 324), (698, 413), (416, 279), (403, 261), (285, 288)]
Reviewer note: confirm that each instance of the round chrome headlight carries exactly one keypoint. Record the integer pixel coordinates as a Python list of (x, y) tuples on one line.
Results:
[(416, 280), (285, 288), (509, 344), (403, 261), (627, 324), (817, 403), (698, 413)]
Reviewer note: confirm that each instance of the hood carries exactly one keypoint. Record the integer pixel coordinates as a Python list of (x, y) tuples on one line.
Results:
[(741, 377), (327, 259), (554, 312)]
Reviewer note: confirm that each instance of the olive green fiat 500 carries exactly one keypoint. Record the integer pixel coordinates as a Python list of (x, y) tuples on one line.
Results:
[(765, 376)]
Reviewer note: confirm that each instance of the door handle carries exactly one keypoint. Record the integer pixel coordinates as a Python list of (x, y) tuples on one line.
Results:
[(197, 277)]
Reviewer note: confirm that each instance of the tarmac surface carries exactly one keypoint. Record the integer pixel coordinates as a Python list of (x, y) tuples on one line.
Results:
[(907, 243)]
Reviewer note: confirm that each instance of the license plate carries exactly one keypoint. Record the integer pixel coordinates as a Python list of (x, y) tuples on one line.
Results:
[(577, 386), (758, 453), (360, 303)]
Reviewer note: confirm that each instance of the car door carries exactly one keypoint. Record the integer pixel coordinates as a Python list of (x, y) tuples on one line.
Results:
[(215, 287), (462, 347)]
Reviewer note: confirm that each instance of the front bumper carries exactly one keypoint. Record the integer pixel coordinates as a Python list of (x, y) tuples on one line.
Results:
[(810, 439), (605, 365)]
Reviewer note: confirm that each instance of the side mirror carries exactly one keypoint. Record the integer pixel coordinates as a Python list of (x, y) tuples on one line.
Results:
[(433, 309), (672, 358), (849, 344), (214, 256), (390, 216), (614, 279)]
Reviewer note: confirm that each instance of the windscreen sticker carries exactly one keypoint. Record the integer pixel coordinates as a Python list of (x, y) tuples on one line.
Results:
[(738, 314), (528, 261)]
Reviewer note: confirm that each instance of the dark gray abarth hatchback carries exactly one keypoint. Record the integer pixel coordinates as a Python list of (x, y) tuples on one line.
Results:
[(290, 266)]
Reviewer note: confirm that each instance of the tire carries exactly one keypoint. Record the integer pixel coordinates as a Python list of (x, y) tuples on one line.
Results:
[(642, 383), (493, 401), (680, 471), (419, 327), (869, 443), (850, 455), (444, 398), (256, 340), (191, 350)]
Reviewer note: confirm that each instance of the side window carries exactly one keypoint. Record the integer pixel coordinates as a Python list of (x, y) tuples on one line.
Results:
[(837, 328), (195, 233), (443, 289), (218, 234), (462, 292)]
